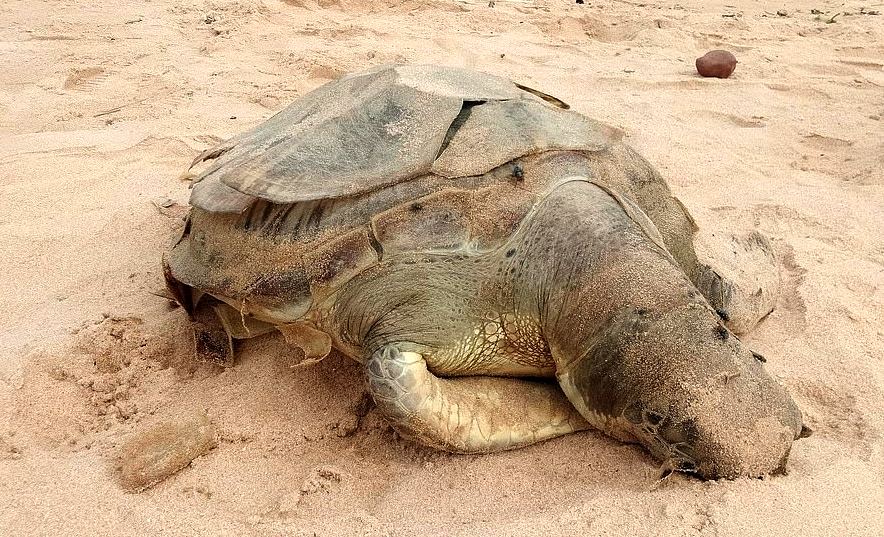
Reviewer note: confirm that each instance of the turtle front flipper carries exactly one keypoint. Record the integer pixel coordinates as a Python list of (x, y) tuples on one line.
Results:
[(466, 414), (739, 276)]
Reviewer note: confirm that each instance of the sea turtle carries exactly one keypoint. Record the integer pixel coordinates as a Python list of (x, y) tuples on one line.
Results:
[(471, 241)]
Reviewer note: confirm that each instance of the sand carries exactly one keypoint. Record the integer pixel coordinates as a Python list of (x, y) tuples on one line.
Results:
[(102, 105)]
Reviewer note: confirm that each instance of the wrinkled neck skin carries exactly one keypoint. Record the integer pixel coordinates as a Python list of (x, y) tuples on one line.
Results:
[(643, 357)]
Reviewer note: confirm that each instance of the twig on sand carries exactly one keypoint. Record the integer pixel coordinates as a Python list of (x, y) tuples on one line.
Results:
[(118, 108), (109, 111), (162, 293)]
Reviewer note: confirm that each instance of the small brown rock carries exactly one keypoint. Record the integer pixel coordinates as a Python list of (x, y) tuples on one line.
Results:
[(716, 63), (154, 454)]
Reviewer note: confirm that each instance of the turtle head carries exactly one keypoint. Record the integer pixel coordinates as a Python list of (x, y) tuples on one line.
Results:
[(726, 418), (688, 390)]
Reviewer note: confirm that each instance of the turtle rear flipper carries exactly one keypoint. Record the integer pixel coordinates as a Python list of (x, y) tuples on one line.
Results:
[(212, 342), (216, 325)]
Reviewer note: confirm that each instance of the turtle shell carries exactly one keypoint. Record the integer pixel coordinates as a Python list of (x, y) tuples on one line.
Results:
[(398, 160), (384, 126)]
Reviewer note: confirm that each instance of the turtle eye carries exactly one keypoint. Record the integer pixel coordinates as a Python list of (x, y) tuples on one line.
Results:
[(633, 413)]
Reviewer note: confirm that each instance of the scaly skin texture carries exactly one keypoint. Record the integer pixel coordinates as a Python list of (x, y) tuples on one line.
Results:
[(583, 293), (466, 415)]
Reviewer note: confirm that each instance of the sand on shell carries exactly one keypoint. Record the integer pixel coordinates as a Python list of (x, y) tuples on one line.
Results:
[(103, 104)]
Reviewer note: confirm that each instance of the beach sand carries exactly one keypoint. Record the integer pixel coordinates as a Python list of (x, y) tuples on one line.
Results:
[(103, 105)]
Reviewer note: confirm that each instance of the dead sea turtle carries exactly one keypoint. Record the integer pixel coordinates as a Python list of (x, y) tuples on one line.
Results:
[(467, 238)]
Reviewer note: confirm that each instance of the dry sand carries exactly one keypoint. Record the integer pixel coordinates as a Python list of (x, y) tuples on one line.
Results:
[(102, 104)]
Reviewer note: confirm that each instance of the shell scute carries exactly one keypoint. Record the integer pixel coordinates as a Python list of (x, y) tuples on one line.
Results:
[(398, 159), (494, 133), (439, 221), (385, 126), (496, 212), (337, 258)]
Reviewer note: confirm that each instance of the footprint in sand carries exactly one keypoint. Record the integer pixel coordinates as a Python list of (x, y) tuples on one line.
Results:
[(825, 154), (825, 69), (799, 90), (85, 79), (320, 484), (825, 143), (750, 123), (579, 28)]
